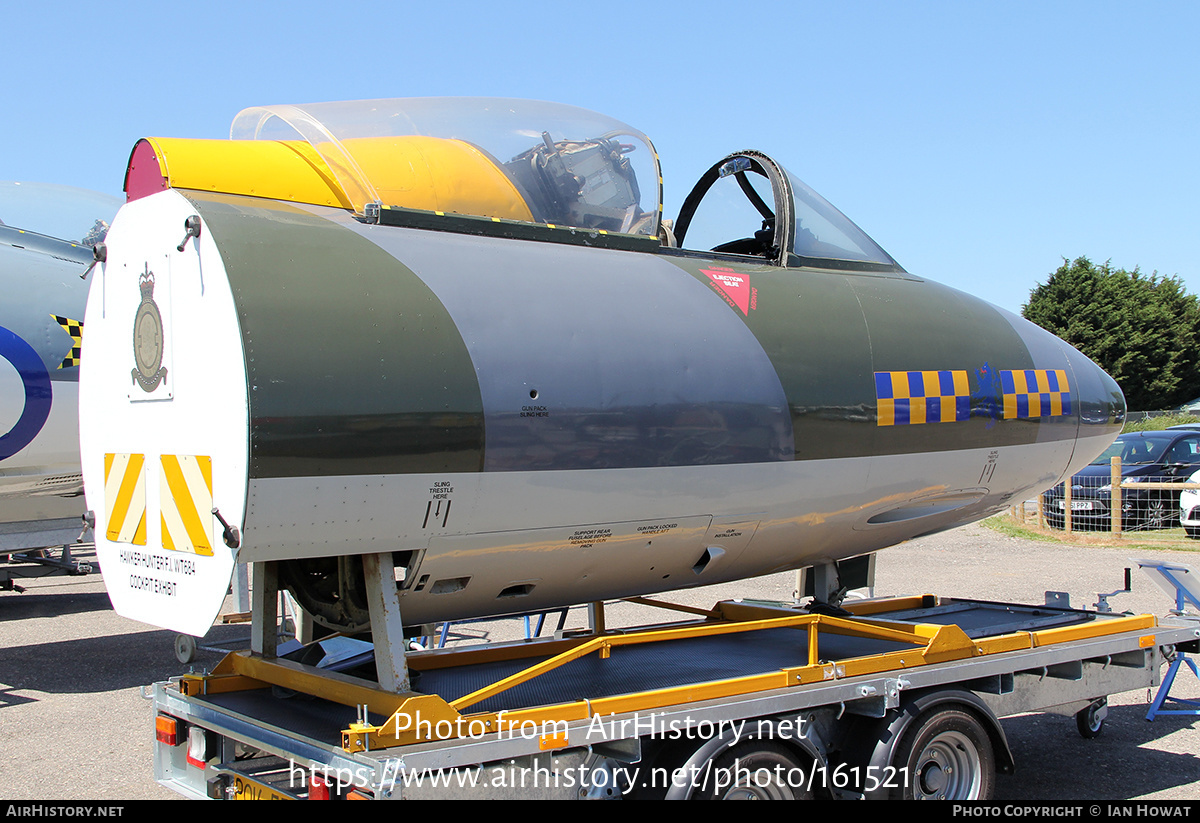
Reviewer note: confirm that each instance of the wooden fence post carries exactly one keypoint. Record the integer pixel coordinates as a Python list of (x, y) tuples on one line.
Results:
[(1115, 496), (1067, 505)]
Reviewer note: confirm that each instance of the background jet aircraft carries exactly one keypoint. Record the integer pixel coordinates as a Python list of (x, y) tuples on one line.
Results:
[(41, 318)]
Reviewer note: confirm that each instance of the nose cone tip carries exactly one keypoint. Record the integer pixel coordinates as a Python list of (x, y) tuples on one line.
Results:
[(1101, 401), (1099, 404), (1117, 397)]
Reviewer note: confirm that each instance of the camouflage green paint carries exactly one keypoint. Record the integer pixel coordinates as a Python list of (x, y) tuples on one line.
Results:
[(354, 366), (924, 325), (357, 362), (827, 333), (812, 330)]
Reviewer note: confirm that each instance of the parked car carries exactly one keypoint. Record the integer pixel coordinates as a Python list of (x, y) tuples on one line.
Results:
[(1189, 509), (1170, 456)]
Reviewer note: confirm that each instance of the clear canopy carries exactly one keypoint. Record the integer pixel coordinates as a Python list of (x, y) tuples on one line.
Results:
[(568, 165), (749, 204), (65, 212), (821, 231)]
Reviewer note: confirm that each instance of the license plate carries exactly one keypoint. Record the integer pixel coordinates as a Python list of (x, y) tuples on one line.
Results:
[(1076, 505), (247, 789)]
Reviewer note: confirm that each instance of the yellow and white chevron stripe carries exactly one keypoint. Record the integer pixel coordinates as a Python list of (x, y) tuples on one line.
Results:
[(186, 498), (125, 498)]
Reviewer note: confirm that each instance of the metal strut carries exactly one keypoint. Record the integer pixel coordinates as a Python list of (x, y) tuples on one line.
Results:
[(387, 630)]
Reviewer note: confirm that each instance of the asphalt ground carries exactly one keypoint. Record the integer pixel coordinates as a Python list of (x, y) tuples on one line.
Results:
[(74, 724)]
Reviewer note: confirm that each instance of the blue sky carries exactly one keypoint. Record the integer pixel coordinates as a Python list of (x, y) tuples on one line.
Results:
[(979, 143)]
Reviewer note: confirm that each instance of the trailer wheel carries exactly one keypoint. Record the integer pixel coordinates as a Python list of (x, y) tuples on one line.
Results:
[(945, 754), (759, 770), (185, 648), (1090, 721)]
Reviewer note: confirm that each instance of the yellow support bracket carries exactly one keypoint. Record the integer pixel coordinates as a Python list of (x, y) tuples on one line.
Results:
[(332, 686), (198, 685), (1097, 628), (418, 718), (604, 645)]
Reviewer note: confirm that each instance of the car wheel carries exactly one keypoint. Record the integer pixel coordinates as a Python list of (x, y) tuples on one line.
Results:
[(1157, 514)]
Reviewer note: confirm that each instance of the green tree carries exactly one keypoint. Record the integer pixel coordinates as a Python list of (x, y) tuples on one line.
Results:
[(1143, 330)]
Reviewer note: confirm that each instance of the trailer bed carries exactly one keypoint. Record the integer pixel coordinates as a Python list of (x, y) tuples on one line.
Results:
[(1017, 659)]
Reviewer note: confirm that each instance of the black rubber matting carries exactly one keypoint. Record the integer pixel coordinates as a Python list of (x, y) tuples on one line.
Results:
[(646, 667)]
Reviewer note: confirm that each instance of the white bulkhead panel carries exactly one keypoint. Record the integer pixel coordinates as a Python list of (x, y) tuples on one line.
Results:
[(163, 426)]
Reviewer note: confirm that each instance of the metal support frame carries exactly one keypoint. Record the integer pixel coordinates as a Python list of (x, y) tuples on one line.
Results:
[(532, 631), (241, 588), (1164, 691), (387, 629), (1179, 581), (826, 583), (264, 619), (595, 613), (32, 563)]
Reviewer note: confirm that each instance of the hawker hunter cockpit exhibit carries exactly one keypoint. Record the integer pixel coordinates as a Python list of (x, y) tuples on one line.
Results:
[(459, 334)]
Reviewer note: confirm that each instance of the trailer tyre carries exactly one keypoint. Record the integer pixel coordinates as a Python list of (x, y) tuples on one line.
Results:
[(1090, 721), (946, 754), (755, 771)]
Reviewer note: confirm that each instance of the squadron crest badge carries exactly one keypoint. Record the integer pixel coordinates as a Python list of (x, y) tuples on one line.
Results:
[(148, 338)]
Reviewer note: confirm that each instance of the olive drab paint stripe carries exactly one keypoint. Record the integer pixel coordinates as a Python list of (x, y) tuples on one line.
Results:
[(125, 498), (914, 397), (831, 334), (407, 360), (365, 372), (186, 501), (1035, 393)]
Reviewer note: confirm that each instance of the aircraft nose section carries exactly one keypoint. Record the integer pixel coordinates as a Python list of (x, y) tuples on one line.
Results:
[(1100, 408), (1091, 413), (1097, 402), (1101, 401)]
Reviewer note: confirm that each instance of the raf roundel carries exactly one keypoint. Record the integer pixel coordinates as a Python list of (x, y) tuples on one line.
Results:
[(38, 393)]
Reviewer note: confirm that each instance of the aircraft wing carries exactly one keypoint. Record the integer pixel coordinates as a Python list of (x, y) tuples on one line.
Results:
[(40, 348)]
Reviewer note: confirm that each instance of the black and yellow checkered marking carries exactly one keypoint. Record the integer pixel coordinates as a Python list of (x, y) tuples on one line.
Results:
[(910, 397), (75, 329), (1035, 393)]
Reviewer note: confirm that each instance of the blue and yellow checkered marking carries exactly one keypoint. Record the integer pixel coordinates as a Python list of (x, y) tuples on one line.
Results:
[(910, 397), (1035, 393)]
